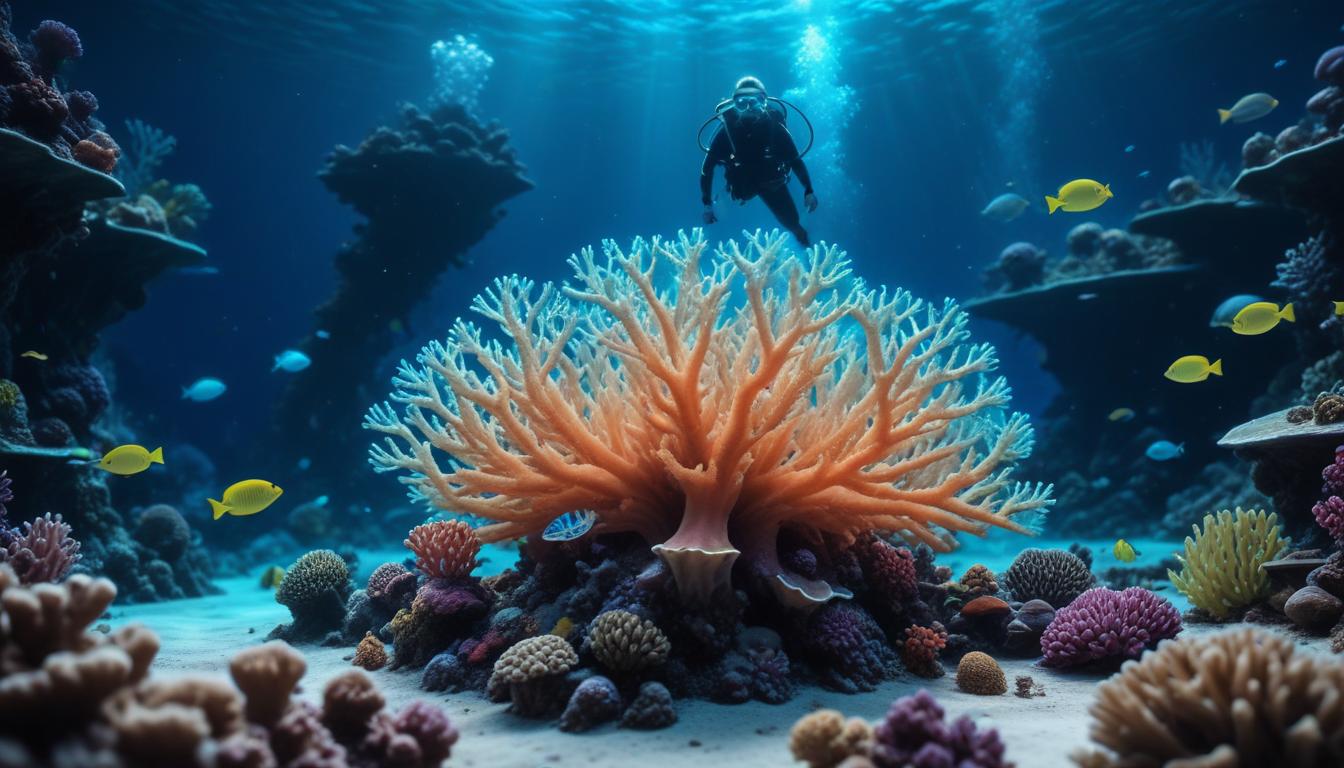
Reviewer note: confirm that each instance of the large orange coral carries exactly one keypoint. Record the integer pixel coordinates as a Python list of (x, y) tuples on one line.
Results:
[(757, 391)]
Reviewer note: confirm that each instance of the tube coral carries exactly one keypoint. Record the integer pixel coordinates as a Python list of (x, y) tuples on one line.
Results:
[(1220, 571), (706, 424)]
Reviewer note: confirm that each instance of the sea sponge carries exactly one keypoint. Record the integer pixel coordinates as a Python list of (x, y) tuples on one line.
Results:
[(370, 654), (920, 650), (44, 551), (1052, 575), (444, 549), (1237, 698), (1220, 570), (163, 529), (533, 671), (980, 674), (680, 417), (824, 738), (913, 733), (1105, 625), (651, 710), (623, 642), (267, 675), (595, 701), (978, 580)]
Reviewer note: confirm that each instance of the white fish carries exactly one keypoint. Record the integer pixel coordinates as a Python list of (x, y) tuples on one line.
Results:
[(321, 334), (1248, 108), (1164, 450), (1005, 207), (291, 360), (204, 390), (1228, 309), (570, 525), (1129, 148)]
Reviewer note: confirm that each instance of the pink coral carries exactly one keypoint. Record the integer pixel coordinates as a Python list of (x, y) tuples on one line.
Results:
[(389, 583), (45, 550), (1103, 624), (445, 549), (889, 570), (920, 650), (706, 424), (1329, 514)]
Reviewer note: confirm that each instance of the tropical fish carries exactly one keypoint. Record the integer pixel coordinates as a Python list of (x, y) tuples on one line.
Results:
[(204, 390), (563, 627), (570, 525), (1222, 316), (1086, 296), (321, 501), (1005, 207), (271, 577), (1281, 63), (1129, 148), (245, 498), (1120, 414), (1248, 108), (1164, 450), (1261, 317), (1124, 552), (1193, 368), (129, 459), (1145, 174), (1339, 307), (1079, 195), (33, 355), (291, 360), (322, 334)]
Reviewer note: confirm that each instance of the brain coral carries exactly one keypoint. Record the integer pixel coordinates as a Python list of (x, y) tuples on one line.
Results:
[(1052, 575), (980, 674), (623, 642), (1104, 624), (311, 576), (754, 389), (1236, 699), (1220, 570)]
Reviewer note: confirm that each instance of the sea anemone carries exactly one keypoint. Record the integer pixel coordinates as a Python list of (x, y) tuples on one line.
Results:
[(444, 549), (705, 424)]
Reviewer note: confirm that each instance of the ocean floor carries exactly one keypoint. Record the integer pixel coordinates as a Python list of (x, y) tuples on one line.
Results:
[(198, 636)]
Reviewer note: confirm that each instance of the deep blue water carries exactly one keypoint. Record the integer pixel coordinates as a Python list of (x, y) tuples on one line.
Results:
[(954, 100)]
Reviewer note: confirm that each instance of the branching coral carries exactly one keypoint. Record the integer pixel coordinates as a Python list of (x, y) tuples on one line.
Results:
[(44, 551), (1220, 570), (706, 424), (1240, 698)]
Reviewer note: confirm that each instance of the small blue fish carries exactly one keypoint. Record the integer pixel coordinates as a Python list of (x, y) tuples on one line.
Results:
[(1129, 148), (1280, 64), (321, 501), (305, 463), (570, 525), (1145, 174), (1086, 296), (322, 334), (291, 360), (1164, 450), (204, 390)]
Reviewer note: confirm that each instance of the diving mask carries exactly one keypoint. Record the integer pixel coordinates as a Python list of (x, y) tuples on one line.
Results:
[(747, 102)]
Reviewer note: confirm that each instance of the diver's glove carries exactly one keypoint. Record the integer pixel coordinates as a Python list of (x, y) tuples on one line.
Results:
[(810, 200), (708, 215)]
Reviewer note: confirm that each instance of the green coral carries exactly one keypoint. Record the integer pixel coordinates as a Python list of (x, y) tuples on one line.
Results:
[(1220, 570), (10, 395)]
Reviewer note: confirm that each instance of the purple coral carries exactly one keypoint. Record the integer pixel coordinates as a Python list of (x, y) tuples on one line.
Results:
[(1310, 277), (54, 43), (847, 644), (43, 552), (1329, 511), (594, 701), (420, 735), (1103, 624), (915, 735), (389, 583)]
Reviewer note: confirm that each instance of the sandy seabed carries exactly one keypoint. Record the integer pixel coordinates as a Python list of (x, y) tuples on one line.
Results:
[(199, 636)]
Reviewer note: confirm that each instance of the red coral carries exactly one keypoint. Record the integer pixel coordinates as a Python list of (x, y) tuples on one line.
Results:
[(921, 648), (445, 549), (45, 551), (890, 571)]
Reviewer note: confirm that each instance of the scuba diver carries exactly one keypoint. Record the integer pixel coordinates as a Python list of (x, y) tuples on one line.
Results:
[(757, 152)]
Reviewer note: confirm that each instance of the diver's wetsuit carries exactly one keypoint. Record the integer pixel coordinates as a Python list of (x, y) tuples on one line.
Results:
[(757, 158)]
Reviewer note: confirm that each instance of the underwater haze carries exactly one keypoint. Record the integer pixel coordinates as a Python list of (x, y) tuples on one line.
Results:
[(781, 383)]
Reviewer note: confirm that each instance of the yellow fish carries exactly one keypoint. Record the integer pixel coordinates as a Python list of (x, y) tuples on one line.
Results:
[(1193, 368), (1124, 552), (245, 498), (1339, 307), (1079, 195), (129, 459), (1120, 414), (34, 354), (1261, 317), (562, 627), (271, 577), (1248, 108)]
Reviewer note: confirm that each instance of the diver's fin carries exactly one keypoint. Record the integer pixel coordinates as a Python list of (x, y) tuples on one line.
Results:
[(1217, 368), (1224, 115), (1053, 203), (157, 456), (218, 508), (1287, 313)]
